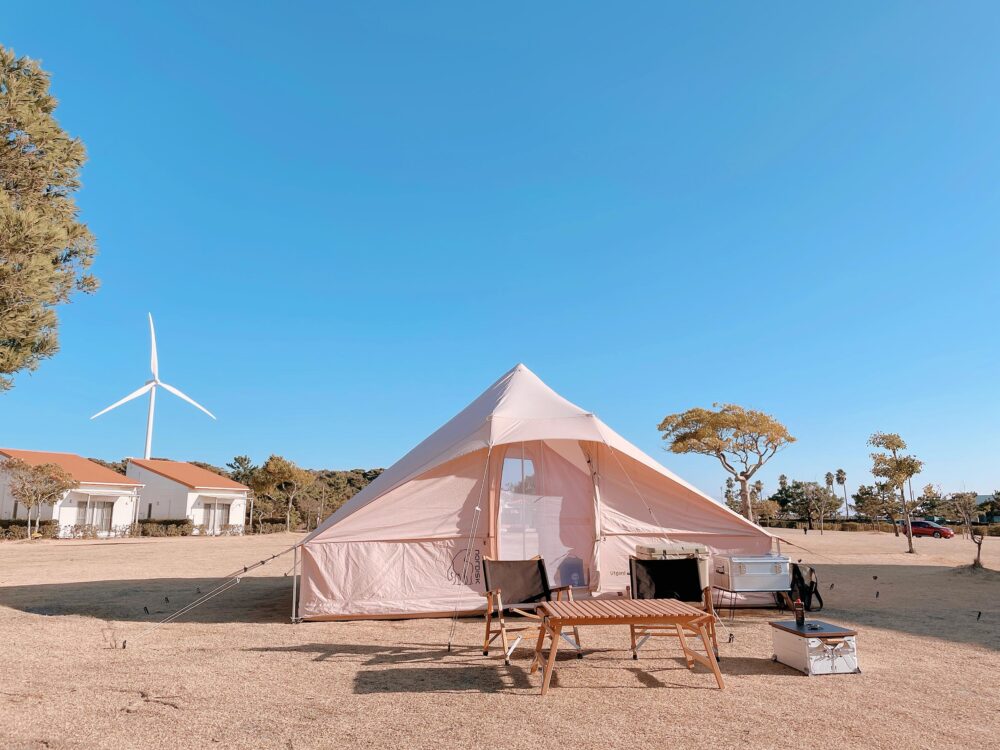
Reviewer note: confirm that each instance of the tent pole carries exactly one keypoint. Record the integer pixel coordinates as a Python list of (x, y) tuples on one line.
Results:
[(295, 584), (595, 582)]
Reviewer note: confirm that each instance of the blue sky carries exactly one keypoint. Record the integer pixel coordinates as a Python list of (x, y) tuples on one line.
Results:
[(348, 220)]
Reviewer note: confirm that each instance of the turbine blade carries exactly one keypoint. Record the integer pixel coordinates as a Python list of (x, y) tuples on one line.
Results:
[(187, 398), (154, 364), (129, 397)]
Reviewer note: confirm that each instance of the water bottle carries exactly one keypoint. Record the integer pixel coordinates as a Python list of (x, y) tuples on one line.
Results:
[(800, 614)]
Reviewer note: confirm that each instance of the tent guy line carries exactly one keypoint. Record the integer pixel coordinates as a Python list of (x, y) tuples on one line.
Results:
[(468, 547), (228, 582)]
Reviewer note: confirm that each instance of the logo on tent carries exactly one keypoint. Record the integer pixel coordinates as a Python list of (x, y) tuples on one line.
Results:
[(467, 565)]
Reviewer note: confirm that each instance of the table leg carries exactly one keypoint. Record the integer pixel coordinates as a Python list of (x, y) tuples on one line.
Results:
[(553, 649), (684, 646), (710, 654), (539, 644)]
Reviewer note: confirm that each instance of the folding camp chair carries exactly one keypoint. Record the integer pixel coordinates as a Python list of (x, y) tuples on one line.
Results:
[(519, 586), (669, 579)]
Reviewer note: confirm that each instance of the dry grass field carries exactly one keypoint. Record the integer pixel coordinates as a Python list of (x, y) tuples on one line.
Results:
[(236, 674)]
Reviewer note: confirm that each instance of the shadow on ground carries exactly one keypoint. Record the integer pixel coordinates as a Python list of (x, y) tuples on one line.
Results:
[(953, 604), (261, 599)]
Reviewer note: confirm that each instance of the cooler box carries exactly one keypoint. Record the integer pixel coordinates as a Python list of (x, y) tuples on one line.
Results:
[(678, 552), (816, 648), (752, 573)]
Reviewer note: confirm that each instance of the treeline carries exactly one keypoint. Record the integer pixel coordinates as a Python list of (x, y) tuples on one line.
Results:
[(282, 493)]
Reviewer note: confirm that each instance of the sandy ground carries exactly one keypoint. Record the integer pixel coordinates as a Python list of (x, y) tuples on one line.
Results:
[(235, 673)]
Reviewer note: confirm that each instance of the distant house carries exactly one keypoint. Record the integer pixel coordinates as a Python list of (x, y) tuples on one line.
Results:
[(175, 490), (103, 498)]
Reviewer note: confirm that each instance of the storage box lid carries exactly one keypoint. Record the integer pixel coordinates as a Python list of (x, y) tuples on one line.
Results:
[(671, 549), (822, 629), (755, 558)]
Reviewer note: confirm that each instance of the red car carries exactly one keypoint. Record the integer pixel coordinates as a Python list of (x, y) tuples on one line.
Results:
[(929, 528)]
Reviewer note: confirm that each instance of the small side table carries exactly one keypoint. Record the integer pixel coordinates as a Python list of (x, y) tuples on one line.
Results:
[(816, 647)]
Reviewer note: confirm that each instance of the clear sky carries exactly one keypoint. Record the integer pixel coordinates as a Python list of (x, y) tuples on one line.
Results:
[(350, 219)]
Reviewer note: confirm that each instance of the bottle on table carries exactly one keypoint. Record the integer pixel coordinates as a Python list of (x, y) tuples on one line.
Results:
[(800, 614)]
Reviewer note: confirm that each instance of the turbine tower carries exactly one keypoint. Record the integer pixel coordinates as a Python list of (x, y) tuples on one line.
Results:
[(151, 386)]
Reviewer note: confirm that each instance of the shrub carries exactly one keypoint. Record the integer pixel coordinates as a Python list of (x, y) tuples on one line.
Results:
[(15, 531), (166, 527)]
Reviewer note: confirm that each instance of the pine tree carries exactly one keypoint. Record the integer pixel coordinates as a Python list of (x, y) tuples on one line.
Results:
[(45, 250)]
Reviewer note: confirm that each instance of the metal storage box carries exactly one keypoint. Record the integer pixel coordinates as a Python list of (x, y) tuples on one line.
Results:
[(678, 552), (752, 573), (816, 648)]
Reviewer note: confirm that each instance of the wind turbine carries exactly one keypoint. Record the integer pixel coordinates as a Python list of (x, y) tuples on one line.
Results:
[(151, 386)]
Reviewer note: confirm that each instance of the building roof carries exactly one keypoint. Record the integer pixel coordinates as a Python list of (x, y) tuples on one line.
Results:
[(187, 474), (79, 468)]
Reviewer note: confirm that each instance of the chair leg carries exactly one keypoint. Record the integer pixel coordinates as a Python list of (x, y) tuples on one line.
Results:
[(579, 646), (635, 651), (486, 639), (503, 639)]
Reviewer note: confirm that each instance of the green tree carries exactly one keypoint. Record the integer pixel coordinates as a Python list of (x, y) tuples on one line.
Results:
[(729, 495), (897, 469), (241, 469), (285, 480), (743, 440), (782, 481), (829, 486), (931, 502), (45, 251), (35, 486), (870, 503), (842, 481), (806, 500), (965, 505)]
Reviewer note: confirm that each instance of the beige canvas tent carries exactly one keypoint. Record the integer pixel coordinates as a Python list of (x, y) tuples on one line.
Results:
[(519, 472)]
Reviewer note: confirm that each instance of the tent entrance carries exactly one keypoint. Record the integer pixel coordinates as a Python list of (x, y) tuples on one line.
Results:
[(546, 508)]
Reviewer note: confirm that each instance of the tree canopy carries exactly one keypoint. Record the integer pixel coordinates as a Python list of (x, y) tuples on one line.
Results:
[(897, 469), (45, 251), (34, 486), (743, 440)]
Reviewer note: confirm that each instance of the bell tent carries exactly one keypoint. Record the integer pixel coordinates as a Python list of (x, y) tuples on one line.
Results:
[(519, 472)]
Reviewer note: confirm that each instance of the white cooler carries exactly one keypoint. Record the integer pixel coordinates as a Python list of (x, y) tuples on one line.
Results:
[(745, 573), (816, 648)]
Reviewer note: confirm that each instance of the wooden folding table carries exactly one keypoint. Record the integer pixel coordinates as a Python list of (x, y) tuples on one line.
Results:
[(559, 615)]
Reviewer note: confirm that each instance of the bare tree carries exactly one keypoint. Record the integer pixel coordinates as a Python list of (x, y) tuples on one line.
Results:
[(964, 504)]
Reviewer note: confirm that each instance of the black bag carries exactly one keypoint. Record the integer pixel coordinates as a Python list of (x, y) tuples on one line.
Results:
[(805, 586)]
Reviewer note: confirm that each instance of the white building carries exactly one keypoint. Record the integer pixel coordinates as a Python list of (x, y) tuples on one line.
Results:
[(175, 490), (103, 498)]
